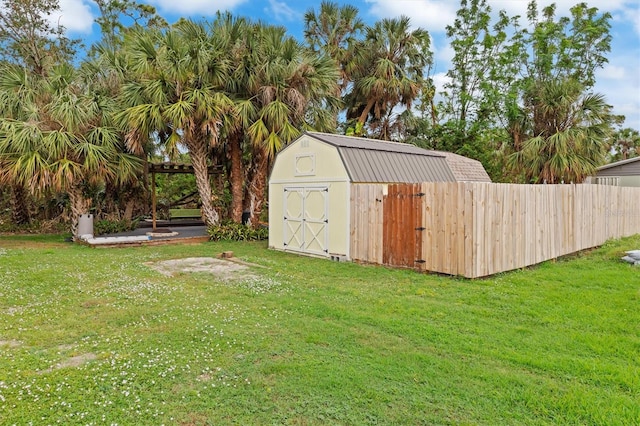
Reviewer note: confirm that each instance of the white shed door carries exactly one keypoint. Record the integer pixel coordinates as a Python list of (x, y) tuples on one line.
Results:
[(306, 221)]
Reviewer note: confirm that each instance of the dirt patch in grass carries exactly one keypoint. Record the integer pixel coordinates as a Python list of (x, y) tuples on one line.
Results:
[(74, 361), (10, 343), (221, 268)]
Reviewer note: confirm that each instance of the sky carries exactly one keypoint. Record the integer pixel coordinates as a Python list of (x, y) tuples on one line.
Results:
[(619, 80)]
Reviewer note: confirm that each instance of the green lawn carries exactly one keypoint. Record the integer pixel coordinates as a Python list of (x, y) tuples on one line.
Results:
[(93, 336)]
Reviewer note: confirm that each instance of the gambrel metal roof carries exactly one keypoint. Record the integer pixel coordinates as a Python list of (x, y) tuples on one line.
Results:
[(375, 161)]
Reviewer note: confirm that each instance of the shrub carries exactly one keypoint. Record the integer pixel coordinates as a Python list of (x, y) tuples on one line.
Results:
[(105, 226), (54, 226), (231, 231)]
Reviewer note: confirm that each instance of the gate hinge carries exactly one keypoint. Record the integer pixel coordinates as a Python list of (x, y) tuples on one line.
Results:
[(420, 194), (421, 261), (420, 228)]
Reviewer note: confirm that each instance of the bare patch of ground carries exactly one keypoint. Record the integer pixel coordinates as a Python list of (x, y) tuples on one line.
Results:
[(10, 343), (221, 268), (12, 310), (74, 361)]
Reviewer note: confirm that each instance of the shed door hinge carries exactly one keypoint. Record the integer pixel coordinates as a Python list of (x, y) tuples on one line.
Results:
[(420, 228), (421, 261)]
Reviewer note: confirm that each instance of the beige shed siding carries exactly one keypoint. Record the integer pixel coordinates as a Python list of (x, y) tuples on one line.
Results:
[(330, 172), (327, 162)]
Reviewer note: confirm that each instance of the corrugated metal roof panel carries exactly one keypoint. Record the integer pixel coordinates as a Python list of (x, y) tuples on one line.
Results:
[(391, 167)]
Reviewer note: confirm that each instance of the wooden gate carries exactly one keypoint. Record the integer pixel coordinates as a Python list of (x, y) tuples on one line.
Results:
[(402, 226)]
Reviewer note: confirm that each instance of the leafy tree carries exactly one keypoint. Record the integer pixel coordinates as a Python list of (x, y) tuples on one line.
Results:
[(486, 63), (491, 105), (29, 39), (567, 47), (118, 16)]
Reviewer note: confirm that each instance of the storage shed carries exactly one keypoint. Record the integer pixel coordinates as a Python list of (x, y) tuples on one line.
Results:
[(311, 184), (620, 173)]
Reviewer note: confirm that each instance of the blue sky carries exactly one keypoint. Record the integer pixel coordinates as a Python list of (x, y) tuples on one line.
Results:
[(619, 81)]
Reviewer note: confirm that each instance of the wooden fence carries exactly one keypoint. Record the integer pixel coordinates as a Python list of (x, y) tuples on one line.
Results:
[(477, 229)]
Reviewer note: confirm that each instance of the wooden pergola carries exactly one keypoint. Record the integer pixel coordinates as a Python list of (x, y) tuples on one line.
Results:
[(171, 169)]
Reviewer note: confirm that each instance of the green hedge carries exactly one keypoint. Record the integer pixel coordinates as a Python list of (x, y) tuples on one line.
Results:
[(231, 231)]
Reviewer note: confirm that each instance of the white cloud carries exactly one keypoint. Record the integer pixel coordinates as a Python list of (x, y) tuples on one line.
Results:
[(612, 72), (432, 15), (635, 17), (444, 53), (619, 81), (195, 7), (74, 15), (281, 11), (439, 80)]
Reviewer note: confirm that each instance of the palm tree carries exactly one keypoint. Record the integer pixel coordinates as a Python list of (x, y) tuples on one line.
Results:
[(567, 133), (61, 138), (290, 90), (239, 40), (626, 144), (15, 94), (178, 91), (390, 72), (334, 32)]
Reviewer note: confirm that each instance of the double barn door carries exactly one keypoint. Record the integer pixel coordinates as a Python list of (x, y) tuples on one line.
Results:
[(306, 219)]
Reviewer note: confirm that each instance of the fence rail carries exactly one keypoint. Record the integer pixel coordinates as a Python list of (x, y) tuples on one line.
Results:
[(478, 229)]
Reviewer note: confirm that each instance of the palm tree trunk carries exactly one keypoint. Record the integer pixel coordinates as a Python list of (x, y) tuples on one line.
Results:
[(257, 186), (363, 117), (236, 176), (198, 153), (19, 209), (128, 210), (79, 205)]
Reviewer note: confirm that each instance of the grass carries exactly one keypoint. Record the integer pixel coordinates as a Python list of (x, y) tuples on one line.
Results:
[(93, 336)]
